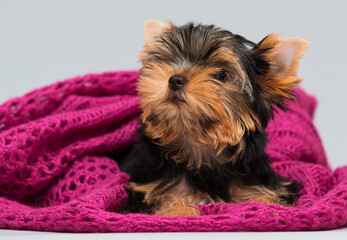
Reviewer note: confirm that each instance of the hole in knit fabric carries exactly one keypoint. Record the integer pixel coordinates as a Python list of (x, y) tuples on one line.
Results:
[(30, 188), (21, 130), (91, 169), (10, 217), (63, 123), (51, 166), (126, 75), (109, 82), (45, 158), (112, 219), (82, 178), (7, 156), (66, 199), (254, 208), (88, 219), (83, 105), (26, 173), (70, 164), (42, 173), (101, 177), (282, 222), (64, 159), (35, 132), (3, 170), (4, 186), (103, 166), (29, 142), (8, 141), (74, 150), (340, 193), (91, 181), (320, 214), (72, 186), (27, 219), (59, 85), (17, 174), (247, 216)]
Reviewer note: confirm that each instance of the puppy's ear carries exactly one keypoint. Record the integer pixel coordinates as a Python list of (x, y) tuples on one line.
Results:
[(153, 29), (279, 64)]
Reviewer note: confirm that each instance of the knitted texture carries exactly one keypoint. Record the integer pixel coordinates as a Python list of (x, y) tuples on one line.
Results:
[(55, 174)]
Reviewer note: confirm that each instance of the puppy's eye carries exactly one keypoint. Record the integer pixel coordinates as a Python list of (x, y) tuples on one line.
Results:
[(220, 76)]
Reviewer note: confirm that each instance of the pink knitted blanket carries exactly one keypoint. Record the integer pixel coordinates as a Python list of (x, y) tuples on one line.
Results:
[(55, 174)]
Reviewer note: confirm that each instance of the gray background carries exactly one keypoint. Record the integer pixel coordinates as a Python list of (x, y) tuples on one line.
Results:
[(45, 41)]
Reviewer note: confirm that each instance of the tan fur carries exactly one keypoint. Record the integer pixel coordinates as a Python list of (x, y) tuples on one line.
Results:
[(179, 200), (152, 30), (283, 56), (239, 78), (224, 103), (178, 207), (257, 194)]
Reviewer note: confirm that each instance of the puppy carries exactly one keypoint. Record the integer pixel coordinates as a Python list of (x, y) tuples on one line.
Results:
[(207, 96)]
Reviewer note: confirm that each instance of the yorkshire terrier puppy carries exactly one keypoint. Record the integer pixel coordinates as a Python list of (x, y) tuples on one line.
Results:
[(207, 96)]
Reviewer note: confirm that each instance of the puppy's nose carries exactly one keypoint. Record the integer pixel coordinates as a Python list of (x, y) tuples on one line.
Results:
[(177, 81)]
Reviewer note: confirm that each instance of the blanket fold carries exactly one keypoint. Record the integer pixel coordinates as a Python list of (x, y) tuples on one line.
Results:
[(56, 173)]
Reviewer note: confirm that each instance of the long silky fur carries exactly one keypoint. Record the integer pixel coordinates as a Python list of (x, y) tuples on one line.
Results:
[(162, 156)]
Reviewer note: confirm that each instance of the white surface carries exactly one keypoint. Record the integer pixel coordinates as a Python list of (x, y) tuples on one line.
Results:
[(44, 41), (321, 235)]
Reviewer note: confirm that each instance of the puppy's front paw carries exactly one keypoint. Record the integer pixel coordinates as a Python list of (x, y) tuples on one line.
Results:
[(178, 207), (285, 194), (290, 194), (182, 211)]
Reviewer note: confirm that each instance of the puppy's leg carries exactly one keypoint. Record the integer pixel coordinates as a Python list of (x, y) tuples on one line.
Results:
[(152, 198), (259, 182), (177, 206), (263, 194)]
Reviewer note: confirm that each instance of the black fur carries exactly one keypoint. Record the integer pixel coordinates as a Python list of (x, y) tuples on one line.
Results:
[(147, 162)]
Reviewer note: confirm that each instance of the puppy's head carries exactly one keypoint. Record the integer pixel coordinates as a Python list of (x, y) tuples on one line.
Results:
[(203, 89)]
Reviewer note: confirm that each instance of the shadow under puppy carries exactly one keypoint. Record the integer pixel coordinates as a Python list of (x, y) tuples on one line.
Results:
[(207, 96)]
